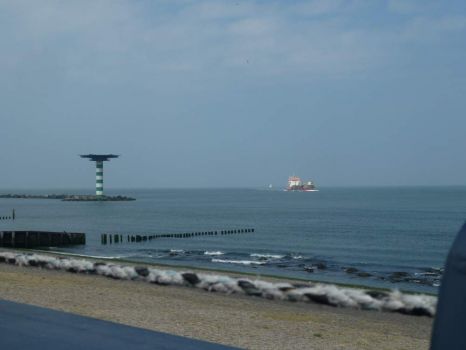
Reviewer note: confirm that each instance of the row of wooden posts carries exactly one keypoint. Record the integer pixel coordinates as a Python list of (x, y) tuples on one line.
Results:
[(33, 239), (107, 238), (10, 217)]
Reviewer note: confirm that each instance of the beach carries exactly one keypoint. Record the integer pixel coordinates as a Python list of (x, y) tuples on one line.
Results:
[(236, 320)]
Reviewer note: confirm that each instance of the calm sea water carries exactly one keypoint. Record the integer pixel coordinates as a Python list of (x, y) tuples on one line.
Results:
[(390, 237)]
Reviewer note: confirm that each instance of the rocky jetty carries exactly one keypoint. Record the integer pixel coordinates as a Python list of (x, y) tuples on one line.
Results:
[(69, 197), (34, 196), (92, 198)]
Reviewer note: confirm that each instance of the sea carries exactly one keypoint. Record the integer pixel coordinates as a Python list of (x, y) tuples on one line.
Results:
[(389, 237)]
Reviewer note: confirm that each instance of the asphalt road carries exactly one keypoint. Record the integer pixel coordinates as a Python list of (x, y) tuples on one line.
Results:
[(30, 327)]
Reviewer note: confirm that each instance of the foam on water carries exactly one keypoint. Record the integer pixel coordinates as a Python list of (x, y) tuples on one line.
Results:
[(213, 253), (267, 256), (239, 262)]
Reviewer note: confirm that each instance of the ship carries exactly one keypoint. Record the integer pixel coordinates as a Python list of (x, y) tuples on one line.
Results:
[(295, 184)]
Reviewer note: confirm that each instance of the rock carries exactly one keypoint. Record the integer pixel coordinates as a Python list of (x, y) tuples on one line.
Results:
[(292, 297), (433, 270), (399, 274), (377, 294), (42, 263), (249, 288), (351, 270), (321, 266), (33, 263), (302, 285), (142, 271), (363, 274), (160, 283), (309, 269), (320, 299), (191, 278), (415, 311)]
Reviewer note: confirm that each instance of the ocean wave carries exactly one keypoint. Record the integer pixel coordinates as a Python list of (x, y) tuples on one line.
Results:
[(267, 256), (89, 256), (213, 253), (240, 262), (297, 257)]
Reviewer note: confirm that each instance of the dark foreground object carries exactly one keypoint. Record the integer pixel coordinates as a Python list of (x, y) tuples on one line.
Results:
[(449, 330), (33, 239), (31, 327)]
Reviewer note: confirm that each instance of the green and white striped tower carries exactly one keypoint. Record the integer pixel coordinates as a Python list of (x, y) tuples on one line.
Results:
[(99, 160), (99, 178)]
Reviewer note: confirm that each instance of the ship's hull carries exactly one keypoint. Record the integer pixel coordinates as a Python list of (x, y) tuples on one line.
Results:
[(296, 185)]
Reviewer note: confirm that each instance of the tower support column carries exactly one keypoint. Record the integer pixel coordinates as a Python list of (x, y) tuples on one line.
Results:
[(99, 160), (99, 178)]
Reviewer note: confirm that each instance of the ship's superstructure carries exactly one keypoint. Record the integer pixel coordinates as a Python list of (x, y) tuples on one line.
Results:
[(295, 184)]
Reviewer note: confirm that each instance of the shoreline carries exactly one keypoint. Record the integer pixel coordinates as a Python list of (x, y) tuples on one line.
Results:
[(230, 319), (180, 267)]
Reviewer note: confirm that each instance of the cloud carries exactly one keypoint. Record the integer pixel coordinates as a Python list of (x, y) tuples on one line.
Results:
[(321, 7), (106, 41), (425, 30), (407, 6)]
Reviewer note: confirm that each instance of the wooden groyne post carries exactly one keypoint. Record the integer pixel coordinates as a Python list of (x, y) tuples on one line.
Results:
[(118, 238), (11, 217), (33, 239)]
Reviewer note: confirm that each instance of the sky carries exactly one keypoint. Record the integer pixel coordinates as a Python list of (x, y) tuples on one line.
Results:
[(232, 93)]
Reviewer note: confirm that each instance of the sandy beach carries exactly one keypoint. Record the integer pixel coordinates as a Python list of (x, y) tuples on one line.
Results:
[(235, 320)]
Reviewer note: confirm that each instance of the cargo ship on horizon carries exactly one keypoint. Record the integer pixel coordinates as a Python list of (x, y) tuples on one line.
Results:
[(295, 184)]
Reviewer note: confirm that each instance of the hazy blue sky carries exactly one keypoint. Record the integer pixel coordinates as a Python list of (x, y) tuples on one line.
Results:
[(233, 93)]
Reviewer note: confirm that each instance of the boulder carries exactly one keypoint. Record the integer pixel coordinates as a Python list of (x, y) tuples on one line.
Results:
[(191, 278), (320, 299), (363, 274), (142, 271), (351, 270), (249, 288)]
